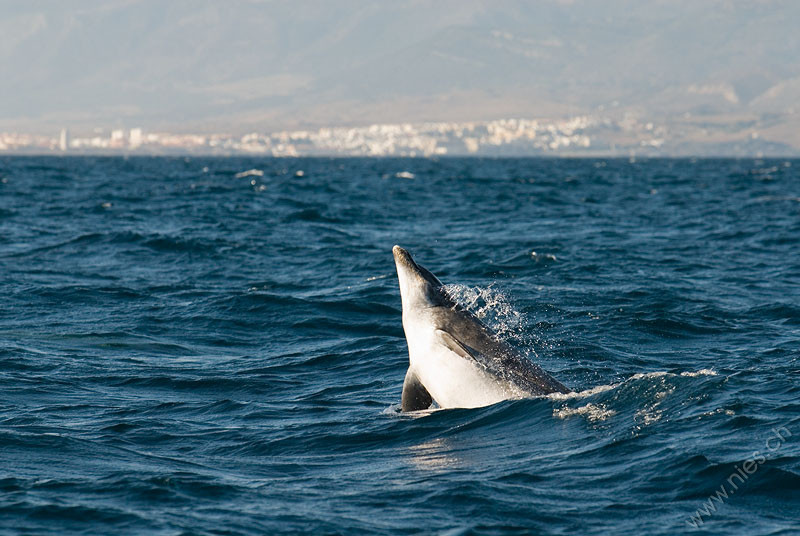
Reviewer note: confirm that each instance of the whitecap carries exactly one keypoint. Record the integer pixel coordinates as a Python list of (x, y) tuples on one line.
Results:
[(249, 173), (593, 412), (644, 375), (639, 376), (701, 372), (583, 394)]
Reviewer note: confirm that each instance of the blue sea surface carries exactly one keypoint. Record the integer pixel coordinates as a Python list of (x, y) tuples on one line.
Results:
[(214, 346)]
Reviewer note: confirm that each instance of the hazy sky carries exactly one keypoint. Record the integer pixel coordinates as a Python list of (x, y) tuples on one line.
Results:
[(237, 65)]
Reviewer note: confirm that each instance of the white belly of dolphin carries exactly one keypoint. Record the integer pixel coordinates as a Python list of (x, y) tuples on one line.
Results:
[(452, 380)]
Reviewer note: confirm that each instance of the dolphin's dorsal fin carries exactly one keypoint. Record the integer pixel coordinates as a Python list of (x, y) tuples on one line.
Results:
[(415, 397)]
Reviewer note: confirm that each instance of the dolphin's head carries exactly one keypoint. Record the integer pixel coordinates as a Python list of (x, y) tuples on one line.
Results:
[(418, 287)]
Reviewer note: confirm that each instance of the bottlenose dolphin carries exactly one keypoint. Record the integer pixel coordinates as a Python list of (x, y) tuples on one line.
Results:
[(454, 358)]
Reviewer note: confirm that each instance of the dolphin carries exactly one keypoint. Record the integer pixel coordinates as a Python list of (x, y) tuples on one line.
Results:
[(454, 358)]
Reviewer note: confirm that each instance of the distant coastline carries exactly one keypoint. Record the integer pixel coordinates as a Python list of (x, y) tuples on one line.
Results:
[(585, 135)]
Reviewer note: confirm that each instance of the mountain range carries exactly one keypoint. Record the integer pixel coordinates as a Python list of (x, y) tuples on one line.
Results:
[(266, 65)]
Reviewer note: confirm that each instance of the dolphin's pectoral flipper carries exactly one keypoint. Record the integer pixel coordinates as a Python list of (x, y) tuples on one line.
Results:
[(456, 346), (415, 397), (505, 363), (466, 351)]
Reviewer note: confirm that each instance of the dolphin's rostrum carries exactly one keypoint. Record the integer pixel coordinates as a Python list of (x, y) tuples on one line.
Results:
[(454, 358)]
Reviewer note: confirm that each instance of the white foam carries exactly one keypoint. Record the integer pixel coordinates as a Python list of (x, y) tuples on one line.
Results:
[(643, 375), (583, 394), (701, 372), (688, 374), (591, 411), (395, 410), (249, 173), (404, 175), (639, 376)]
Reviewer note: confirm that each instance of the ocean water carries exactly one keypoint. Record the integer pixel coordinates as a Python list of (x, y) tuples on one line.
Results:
[(214, 346)]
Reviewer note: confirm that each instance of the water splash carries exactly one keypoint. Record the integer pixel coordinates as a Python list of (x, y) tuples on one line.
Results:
[(492, 306)]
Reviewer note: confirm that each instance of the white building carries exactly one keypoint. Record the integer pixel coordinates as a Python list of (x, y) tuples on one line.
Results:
[(135, 138), (63, 140)]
